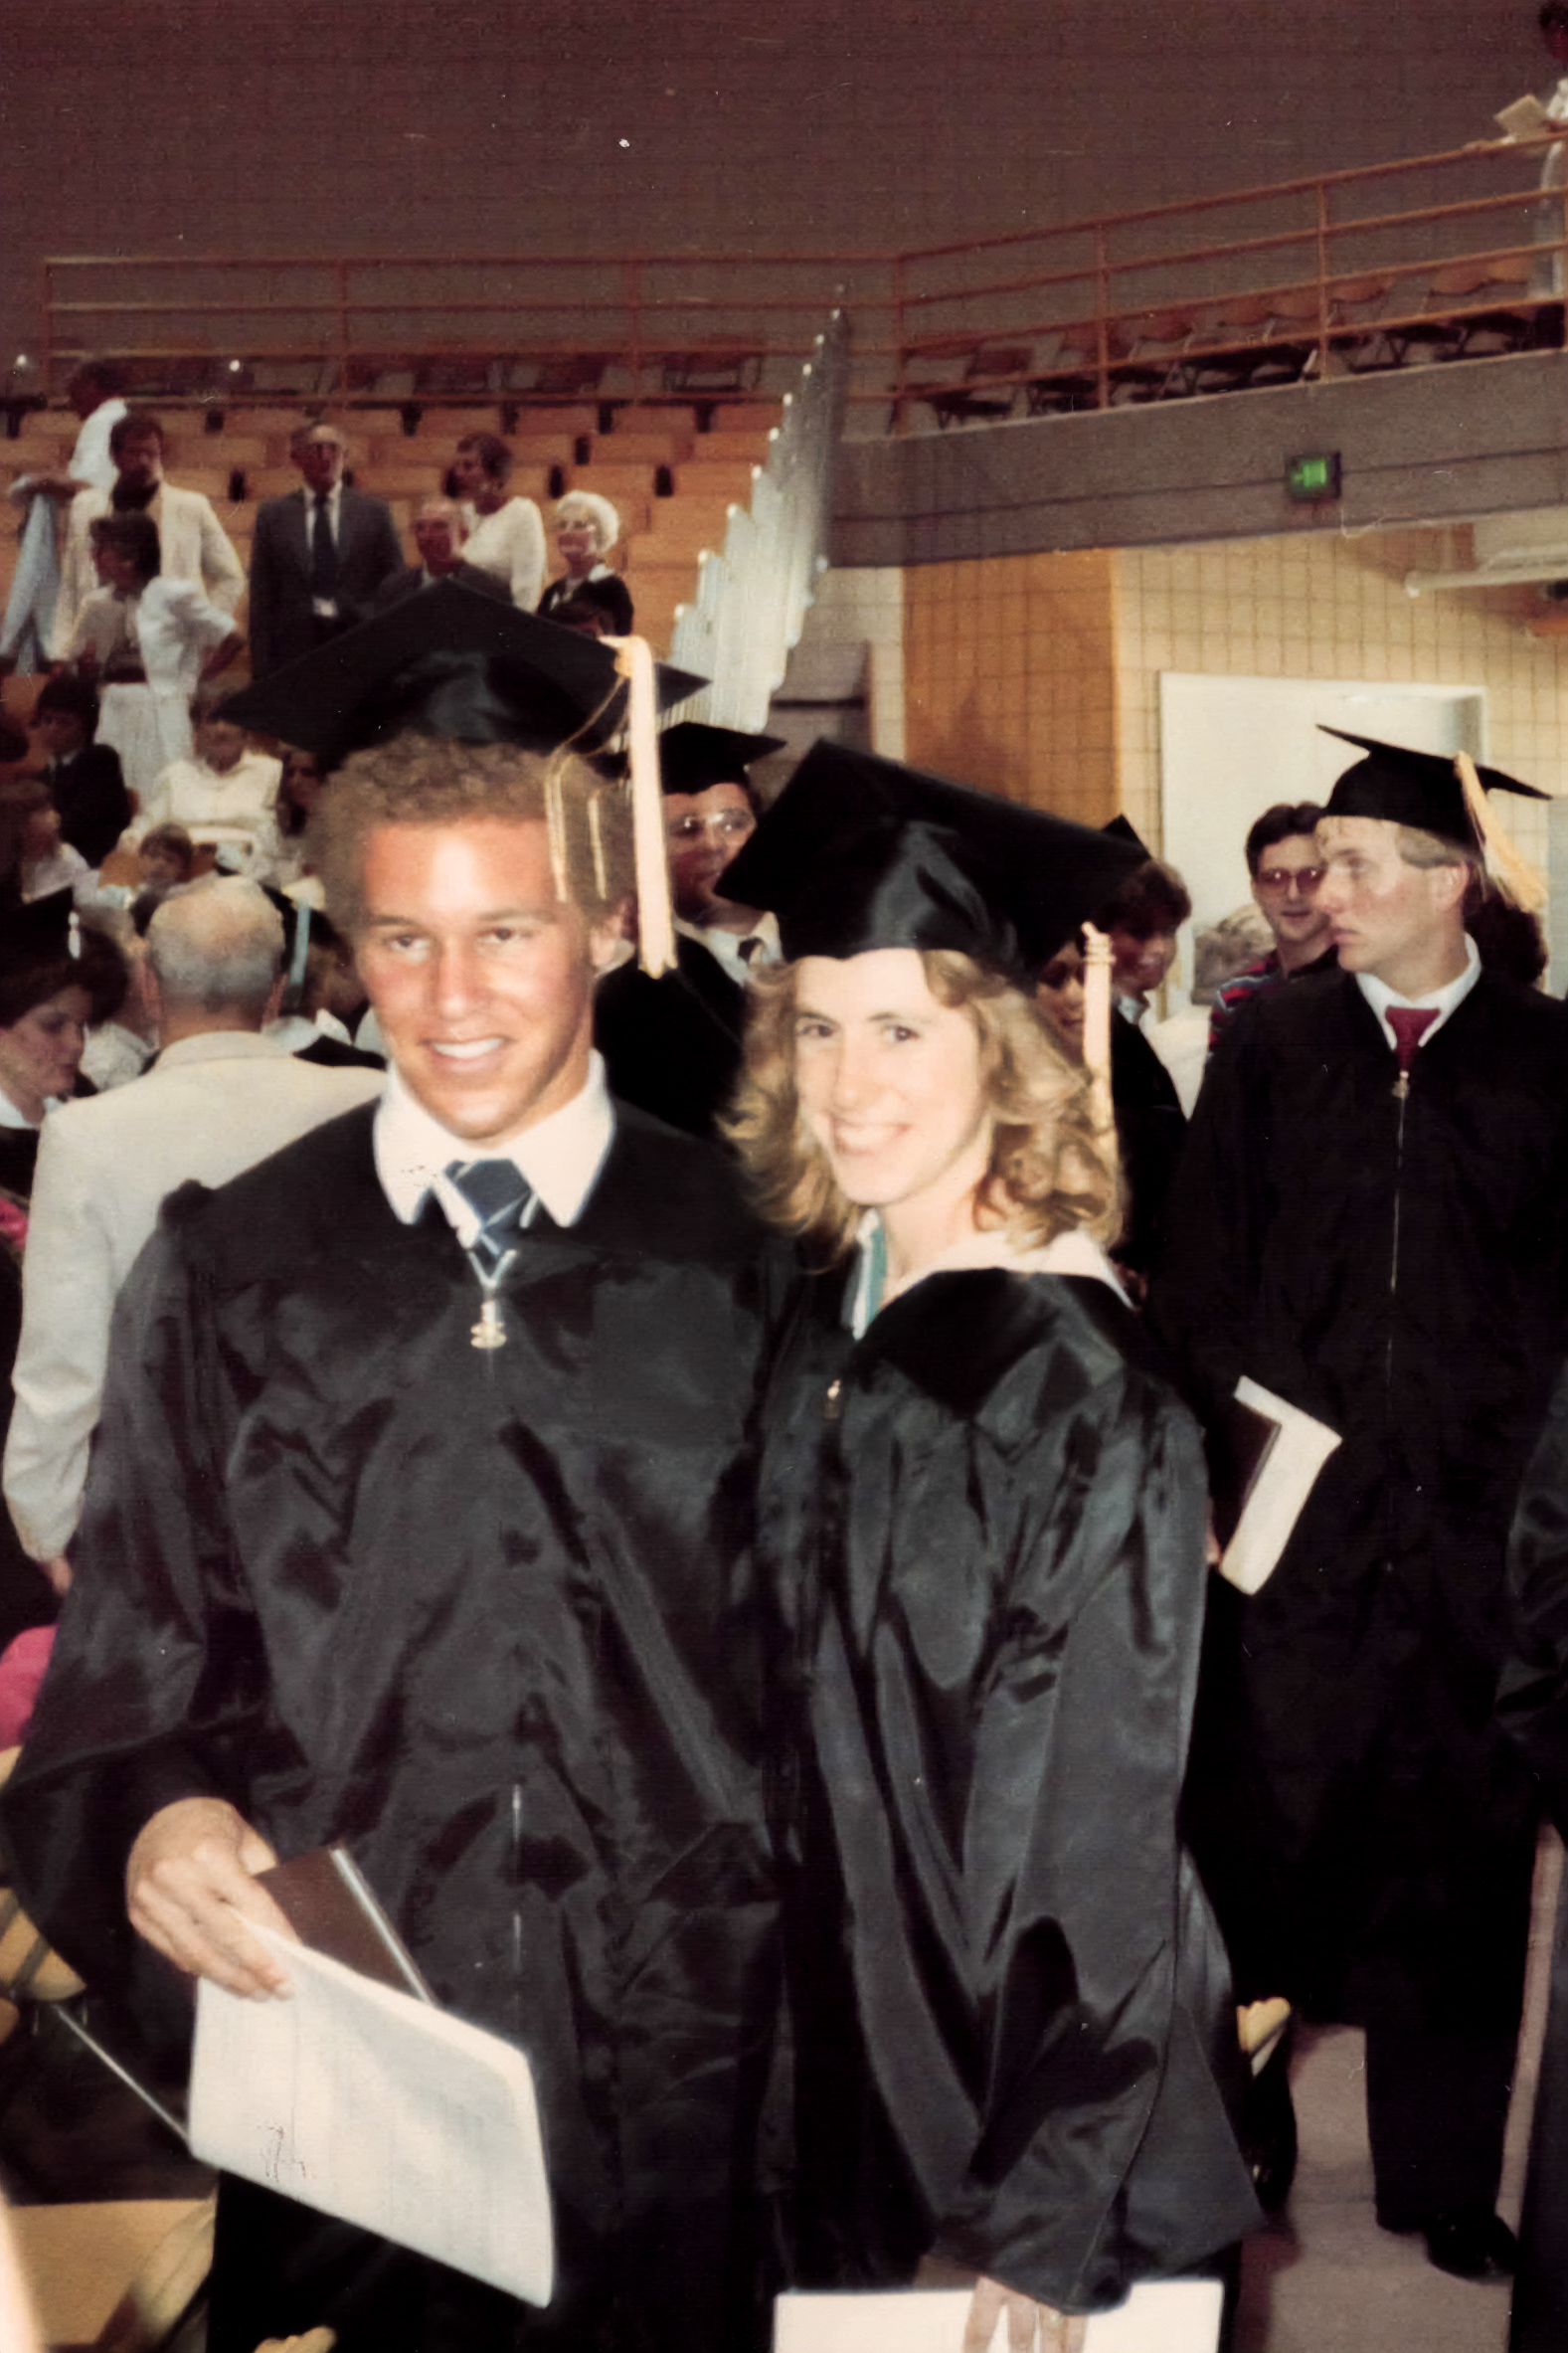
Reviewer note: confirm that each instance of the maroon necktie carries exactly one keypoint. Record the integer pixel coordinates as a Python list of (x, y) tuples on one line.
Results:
[(1409, 1024)]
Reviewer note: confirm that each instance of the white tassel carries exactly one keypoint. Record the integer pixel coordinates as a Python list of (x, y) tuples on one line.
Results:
[(1097, 1025)]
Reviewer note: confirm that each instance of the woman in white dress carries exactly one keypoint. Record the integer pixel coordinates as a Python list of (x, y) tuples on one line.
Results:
[(145, 641), (505, 535)]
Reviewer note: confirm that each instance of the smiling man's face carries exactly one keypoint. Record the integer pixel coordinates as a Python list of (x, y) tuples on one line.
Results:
[(480, 976)]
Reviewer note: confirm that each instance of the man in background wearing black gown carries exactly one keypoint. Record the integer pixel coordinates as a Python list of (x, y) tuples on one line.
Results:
[(1370, 1221), (426, 1529)]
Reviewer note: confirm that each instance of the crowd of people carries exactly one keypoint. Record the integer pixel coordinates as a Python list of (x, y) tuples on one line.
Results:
[(698, 1470)]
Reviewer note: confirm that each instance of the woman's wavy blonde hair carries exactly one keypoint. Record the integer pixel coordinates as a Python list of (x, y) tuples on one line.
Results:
[(1051, 1170)]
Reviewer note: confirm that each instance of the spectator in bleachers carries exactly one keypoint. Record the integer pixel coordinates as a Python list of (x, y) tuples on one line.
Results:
[(319, 554), (193, 545), (586, 529), (1181, 1040), (1285, 865), (506, 535), (85, 777), (145, 641), (224, 793), (95, 392), (439, 534), (38, 863), (298, 791), (221, 1098), (166, 857)]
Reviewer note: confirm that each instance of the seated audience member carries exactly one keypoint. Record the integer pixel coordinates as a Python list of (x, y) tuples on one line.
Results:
[(506, 535), (587, 528), (1286, 866), (122, 1042), (299, 789), (145, 641), (34, 864), (439, 533), (318, 556), (325, 1001), (85, 779), (223, 794), (48, 997), (1181, 1040), (221, 1098), (673, 1046), (166, 856), (192, 544)]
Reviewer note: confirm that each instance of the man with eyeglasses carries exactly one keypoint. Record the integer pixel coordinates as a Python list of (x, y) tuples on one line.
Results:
[(1285, 866), (672, 1047)]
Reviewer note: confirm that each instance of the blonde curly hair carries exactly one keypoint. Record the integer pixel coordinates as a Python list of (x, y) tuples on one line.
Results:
[(1051, 1170)]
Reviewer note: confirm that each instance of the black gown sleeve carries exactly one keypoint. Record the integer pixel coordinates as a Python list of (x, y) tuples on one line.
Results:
[(1200, 1299), (155, 1664)]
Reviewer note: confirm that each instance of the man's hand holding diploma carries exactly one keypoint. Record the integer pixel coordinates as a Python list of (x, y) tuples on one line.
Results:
[(190, 1888)]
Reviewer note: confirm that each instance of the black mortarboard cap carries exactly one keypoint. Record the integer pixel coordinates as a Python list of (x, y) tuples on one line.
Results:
[(1121, 829), (693, 754), (1419, 788), (36, 935), (859, 852), (448, 663)]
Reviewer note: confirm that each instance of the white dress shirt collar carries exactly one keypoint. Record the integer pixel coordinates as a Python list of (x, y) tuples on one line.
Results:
[(559, 1157), (1442, 1000), (730, 948)]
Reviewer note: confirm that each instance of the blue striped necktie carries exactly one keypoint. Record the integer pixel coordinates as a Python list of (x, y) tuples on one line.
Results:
[(498, 1194)]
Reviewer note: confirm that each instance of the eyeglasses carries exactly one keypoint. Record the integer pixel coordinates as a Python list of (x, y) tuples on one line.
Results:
[(1283, 878), (731, 825)]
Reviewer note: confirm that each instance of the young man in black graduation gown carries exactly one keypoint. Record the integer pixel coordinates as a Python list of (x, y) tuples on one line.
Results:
[(426, 1529), (672, 1045), (1376, 1231)]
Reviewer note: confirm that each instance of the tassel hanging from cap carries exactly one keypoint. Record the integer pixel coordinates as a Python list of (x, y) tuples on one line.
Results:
[(1507, 870), (1097, 1025), (555, 824), (655, 915)]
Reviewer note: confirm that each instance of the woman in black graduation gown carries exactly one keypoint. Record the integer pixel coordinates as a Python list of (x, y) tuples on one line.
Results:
[(983, 1515)]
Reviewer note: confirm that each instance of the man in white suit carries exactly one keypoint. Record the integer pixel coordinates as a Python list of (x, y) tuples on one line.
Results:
[(194, 544), (219, 1098)]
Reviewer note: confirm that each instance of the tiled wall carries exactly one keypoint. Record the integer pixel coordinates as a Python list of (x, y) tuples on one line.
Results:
[(1038, 675), (1327, 606), (1009, 672)]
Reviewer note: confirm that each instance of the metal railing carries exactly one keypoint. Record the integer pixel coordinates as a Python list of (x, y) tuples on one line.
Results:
[(1065, 314), (752, 594)]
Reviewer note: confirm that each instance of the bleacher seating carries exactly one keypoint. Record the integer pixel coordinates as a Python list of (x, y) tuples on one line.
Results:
[(671, 483)]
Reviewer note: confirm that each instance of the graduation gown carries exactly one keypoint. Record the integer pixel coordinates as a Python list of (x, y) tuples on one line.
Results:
[(1398, 1268), (674, 1046), (485, 1618), (1012, 2010), (1151, 1126)]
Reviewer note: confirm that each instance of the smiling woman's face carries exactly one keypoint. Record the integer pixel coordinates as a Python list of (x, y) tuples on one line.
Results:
[(889, 1081)]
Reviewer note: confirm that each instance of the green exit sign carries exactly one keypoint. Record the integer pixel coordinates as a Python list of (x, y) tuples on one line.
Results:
[(1311, 478)]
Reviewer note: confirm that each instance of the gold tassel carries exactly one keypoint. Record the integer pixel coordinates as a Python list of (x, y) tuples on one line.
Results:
[(1097, 1025), (1510, 873), (655, 915), (596, 839), (555, 820)]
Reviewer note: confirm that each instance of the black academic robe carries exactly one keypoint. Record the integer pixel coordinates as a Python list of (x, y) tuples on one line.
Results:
[(1398, 1268), (674, 1046), (1533, 1705), (984, 1522), (485, 1618), (1150, 1127)]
